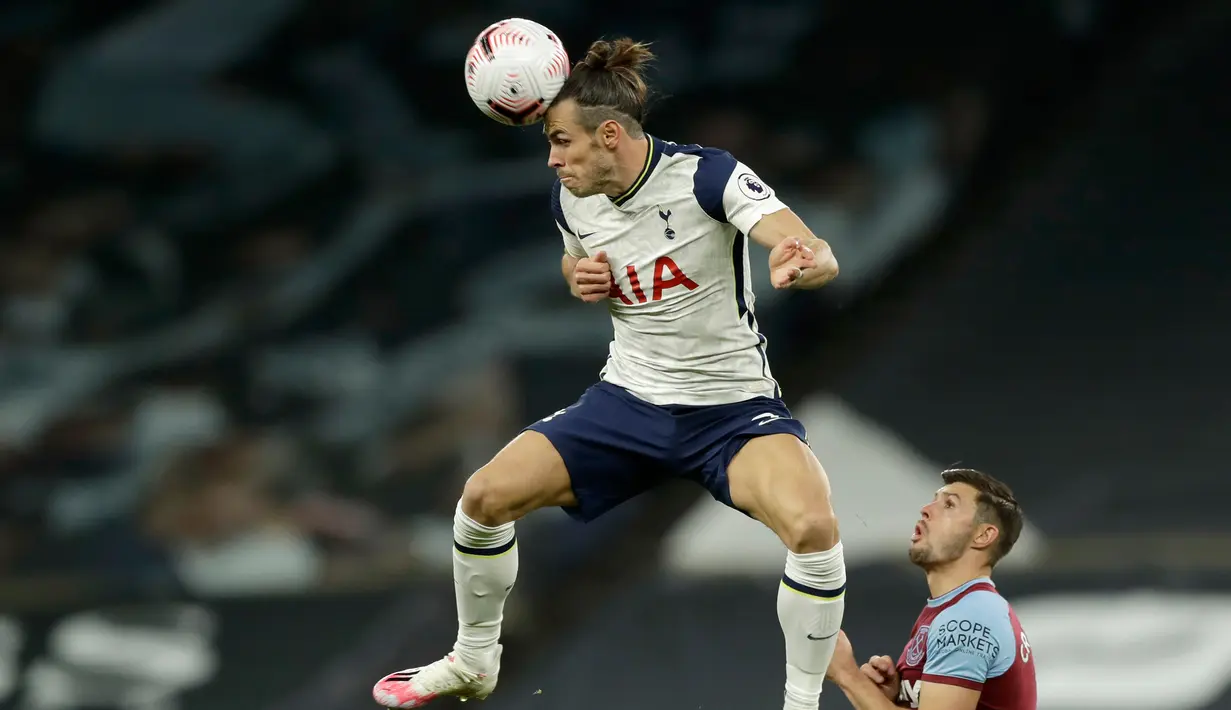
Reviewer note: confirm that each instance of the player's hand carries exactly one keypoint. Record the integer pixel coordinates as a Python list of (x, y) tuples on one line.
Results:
[(884, 672), (842, 665), (788, 261), (592, 278)]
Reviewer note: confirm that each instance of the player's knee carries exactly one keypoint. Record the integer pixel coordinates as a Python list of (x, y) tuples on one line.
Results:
[(814, 531), (484, 502)]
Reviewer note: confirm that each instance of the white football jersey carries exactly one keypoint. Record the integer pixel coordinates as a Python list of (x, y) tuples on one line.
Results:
[(681, 302)]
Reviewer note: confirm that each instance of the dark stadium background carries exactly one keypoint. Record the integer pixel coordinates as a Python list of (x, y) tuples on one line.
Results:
[(272, 288)]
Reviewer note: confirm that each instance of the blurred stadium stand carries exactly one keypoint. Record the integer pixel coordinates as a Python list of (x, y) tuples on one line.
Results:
[(272, 288)]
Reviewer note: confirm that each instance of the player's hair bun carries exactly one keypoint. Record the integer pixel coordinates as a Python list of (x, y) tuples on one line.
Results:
[(614, 55), (621, 59)]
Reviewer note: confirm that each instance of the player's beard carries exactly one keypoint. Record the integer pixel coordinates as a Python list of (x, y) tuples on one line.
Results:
[(932, 555), (602, 175)]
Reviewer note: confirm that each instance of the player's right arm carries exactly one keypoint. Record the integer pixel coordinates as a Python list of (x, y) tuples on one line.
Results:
[(882, 671), (589, 279), (568, 264), (859, 688)]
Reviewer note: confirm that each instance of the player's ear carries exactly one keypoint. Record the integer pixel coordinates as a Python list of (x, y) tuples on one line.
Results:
[(609, 133), (986, 536)]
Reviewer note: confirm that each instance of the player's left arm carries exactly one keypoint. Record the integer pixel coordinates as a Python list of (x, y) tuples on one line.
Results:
[(969, 644), (797, 257), (791, 242), (947, 697)]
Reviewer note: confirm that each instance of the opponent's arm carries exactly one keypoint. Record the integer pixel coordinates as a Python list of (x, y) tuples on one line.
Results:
[(864, 695), (883, 672), (935, 696), (855, 684), (797, 257)]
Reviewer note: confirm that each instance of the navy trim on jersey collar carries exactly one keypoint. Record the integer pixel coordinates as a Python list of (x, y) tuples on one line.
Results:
[(652, 156)]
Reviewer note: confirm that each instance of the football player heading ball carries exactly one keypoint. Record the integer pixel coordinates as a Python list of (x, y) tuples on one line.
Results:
[(658, 232)]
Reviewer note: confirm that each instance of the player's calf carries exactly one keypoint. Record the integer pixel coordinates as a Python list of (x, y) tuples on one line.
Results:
[(525, 475), (778, 481)]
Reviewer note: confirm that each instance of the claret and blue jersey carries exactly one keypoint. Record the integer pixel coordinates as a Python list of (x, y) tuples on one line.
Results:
[(971, 638)]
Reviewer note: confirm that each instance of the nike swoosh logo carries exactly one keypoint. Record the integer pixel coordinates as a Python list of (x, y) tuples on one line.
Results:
[(821, 638), (587, 234)]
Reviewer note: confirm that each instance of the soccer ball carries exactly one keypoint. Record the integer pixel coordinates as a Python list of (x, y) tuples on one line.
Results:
[(514, 70)]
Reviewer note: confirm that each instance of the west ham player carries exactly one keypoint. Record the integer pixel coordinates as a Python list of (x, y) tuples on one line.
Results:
[(658, 232), (967, 651)]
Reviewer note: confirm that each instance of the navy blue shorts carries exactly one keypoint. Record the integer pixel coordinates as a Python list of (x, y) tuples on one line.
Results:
[(617, 446)]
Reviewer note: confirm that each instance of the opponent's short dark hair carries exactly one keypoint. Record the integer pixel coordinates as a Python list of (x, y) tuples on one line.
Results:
[(608, 86), (995, 504)]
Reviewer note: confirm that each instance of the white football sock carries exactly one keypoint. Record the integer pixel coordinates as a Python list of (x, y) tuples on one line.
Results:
[(484, 570), (810, 605)]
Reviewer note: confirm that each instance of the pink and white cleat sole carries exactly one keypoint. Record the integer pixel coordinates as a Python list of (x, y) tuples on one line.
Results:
[(416, 687)]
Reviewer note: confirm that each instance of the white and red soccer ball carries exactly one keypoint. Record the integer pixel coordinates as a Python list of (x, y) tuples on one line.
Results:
[(514, 70)]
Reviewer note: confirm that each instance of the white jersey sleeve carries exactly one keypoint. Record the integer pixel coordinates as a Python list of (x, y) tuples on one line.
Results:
[(572, 245), (746, 198)]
